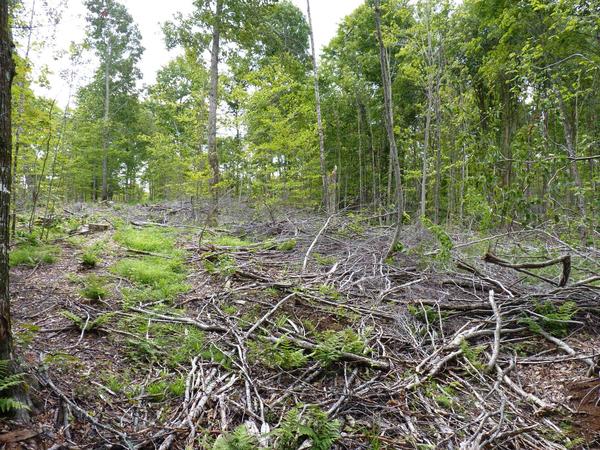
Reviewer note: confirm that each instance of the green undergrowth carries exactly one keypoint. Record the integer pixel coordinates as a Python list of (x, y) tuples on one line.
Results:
[(218, 264), (235, 241), (94, 288), (165, 385), (148, 239), (331, 344), (171, 344), (230, 241), (92, 253), (301, 425), (154, 278), (87, 323), (551, 318), (32, 253)]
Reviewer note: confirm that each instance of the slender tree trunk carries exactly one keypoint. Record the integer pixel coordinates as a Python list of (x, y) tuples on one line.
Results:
[(570, 140), (330, 208), (389, 122), (438, 152), (38, 188), (105, 137), (426, 146), (7, 72), (213, 101), (366, 118), (361, 193), (19, 123)]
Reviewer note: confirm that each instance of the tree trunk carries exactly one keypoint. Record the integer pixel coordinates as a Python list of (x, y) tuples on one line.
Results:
[(361, 193), (570, 139), (106, 107), (426, 146), (213, 100), (389, 125), (438, 152), (7, 71), (329, 208), (19, 123)]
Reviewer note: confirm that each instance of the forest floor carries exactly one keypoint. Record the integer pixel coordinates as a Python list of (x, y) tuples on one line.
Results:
[(292, 332)]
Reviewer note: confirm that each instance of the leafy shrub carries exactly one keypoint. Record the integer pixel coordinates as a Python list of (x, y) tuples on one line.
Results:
[(441, 236)]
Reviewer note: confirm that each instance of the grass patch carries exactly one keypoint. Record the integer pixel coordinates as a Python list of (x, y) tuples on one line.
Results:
[(230, 241), (156, 278), (150, 271), (150, 239), (94, 288), (287, 246), (32, 254)]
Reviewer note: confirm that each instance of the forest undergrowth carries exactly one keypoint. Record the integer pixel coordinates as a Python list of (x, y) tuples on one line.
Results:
[(141, 328)]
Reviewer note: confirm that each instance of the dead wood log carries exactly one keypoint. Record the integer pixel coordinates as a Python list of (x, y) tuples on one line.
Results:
[(565, 260)]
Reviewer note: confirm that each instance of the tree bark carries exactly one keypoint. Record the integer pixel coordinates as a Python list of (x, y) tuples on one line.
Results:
[(213, 101), (7, 72), (389, 125), (105, 133), (330, 208)]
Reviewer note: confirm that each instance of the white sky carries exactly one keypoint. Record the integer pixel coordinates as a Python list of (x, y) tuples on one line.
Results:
[(149, 14)]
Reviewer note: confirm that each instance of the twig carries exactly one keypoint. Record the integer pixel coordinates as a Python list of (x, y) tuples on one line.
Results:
[(314, 242), (496, 347)]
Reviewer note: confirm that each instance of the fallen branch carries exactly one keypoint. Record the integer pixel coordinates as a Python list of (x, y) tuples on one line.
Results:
[(314, 242), (496, 347), (565, 260), (45, 379)]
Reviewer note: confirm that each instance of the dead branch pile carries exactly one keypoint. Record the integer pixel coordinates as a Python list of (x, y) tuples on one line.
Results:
[(462, 357)]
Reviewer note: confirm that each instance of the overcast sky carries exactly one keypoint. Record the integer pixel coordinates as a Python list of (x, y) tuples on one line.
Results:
[(149, 14)]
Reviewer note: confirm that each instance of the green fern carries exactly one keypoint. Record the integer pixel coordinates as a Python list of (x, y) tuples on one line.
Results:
[(334, 343), (87, 325), (300, 425), (239, 439), (283, 354), (9, 381), (554, 320)]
